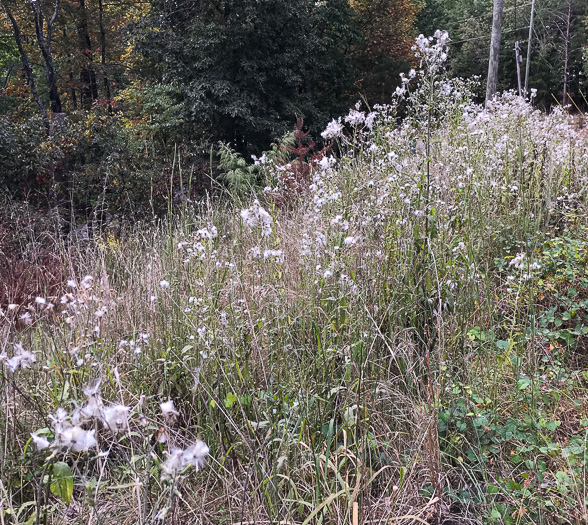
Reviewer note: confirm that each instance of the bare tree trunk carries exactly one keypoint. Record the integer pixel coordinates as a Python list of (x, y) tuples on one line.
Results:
[(528, 64), (88, 76), (568, 23), (519, 59), (103, 51), (72, 89), (26, 65), (494, 50), (44, 41)]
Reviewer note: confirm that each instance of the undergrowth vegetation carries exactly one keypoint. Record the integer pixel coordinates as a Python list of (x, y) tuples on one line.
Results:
[(395, 333)]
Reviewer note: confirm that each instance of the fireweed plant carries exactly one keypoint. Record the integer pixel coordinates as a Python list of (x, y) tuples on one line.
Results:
[(405, 340)]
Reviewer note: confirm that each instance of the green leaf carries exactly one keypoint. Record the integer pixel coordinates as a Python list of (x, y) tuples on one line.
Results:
[(523, 382), (495, 514), (230, 400), (33, 519), (62, 485)]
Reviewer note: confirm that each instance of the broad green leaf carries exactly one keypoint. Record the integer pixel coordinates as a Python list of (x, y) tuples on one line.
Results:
[(62, 485)]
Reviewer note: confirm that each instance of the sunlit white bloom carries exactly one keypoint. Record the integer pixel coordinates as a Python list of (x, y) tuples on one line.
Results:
[(276, 255), (40, 442), (326, 162), (333, 130), (369, 120), (178, 459), (116, 418), (40, 300), (93, 388), (517, 261), (26, 318), (93, 408), (12, 306), (206, 233), (72, 284), (349, 241), (77, 439), (173, 464), (21, 358), (255, 252), (59, 417), (261, 160), (355, 118), (100, 312), (257, 216), (168, 410), (195, 454), (67, 298), (87, 282), (164, 284)]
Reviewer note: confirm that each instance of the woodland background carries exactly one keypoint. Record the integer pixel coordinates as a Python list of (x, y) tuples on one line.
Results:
[(124, 87)]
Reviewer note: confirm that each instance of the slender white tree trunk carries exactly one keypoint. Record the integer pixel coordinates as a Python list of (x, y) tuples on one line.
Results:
[(494, 50)]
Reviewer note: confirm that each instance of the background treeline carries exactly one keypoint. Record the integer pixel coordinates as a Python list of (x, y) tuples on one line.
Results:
[(103, 100)]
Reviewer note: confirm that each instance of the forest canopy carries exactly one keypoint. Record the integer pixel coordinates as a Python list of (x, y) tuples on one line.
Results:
[(98, 96)]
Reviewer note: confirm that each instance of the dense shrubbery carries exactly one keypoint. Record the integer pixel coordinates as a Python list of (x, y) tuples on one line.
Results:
[(114, 162)]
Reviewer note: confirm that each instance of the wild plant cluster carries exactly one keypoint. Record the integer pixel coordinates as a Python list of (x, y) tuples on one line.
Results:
[(403, 340)]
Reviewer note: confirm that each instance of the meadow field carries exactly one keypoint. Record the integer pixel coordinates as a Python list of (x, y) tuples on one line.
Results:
[(393, 332)]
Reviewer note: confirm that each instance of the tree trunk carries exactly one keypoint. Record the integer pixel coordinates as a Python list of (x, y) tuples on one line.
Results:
[(26, 65), (89, 91), (72, 88), (494, 50), (107, 94), (44, 42), (568, 23)]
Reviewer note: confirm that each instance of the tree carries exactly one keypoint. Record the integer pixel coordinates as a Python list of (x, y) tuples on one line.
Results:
[(469, 24), (494, 50), (89, 88), (44, 34), (386, 30), (25, 62), (246, 70)]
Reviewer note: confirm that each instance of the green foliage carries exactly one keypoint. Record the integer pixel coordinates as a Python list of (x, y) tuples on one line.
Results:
[(152, 112), (62, 481), (562, 290), (9, 64), (247, 69), (239, 177), (92, 162)]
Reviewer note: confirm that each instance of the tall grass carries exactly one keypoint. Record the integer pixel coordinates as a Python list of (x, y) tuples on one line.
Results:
[(366, 346)]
